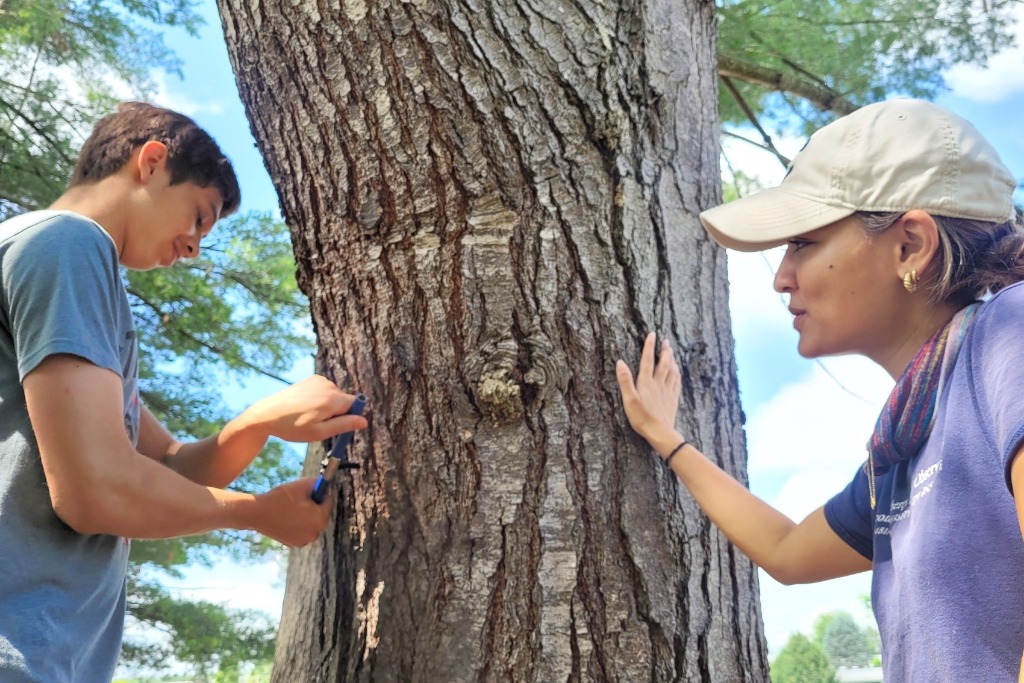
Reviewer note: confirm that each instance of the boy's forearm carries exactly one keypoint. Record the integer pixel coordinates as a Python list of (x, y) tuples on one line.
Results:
[(173, 505), (218, 460)]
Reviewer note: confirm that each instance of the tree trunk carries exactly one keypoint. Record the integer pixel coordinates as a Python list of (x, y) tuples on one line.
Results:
[(490, 203)]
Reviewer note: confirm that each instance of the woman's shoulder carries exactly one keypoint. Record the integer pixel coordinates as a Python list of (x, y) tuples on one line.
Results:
[(1007, 301), (999, 320)]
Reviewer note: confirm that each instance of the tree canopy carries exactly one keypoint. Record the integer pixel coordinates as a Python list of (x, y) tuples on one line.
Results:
[(844, 642), (796, 64)]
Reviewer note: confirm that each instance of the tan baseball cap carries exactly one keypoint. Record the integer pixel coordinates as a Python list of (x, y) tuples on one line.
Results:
[(890, 156)]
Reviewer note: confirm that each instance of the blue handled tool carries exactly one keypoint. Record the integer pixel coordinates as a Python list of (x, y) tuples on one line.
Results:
[(338, 457)]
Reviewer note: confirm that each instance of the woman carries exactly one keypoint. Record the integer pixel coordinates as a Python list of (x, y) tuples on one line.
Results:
[(898, 219)]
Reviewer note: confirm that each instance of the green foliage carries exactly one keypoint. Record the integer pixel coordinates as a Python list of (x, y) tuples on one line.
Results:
[(845, 643), (236, 305), (233, 312), (802, 661), (58, 59), (822, 623), (862, 51), (205, 635)]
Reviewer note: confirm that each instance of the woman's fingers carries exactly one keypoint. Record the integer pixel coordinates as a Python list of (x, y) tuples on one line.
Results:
[(646, 359), (625, 377), (665, 362)]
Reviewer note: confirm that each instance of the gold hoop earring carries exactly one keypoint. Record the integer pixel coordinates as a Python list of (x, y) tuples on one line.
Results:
[(910, 281)]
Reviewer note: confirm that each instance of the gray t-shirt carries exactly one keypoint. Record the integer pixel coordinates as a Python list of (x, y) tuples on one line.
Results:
[(62, 594)]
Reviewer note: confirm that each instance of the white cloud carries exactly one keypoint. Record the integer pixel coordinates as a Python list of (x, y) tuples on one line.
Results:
[(811, 436), (251, 586), (753, 301), (805, 492), (820, 424), (1000, 79), (169, 95)]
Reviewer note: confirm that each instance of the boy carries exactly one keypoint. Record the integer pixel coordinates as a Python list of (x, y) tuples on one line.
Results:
[(83, 465)]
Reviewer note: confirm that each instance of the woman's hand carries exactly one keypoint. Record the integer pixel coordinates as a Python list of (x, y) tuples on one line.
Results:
[(311, 410), (652, 402)]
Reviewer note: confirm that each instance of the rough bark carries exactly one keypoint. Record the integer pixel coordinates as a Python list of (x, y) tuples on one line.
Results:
[(490, 203)]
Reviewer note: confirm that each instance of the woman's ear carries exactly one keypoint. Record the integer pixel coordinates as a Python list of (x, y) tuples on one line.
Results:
[(151, 156), (919, 242)]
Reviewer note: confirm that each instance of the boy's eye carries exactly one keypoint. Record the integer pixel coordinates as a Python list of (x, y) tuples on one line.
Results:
[(797, 245)]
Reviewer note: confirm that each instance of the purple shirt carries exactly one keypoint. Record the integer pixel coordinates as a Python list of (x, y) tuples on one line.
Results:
[(948, 582)]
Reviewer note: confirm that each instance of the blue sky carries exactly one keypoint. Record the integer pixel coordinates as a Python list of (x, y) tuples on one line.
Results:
[(807, 421)]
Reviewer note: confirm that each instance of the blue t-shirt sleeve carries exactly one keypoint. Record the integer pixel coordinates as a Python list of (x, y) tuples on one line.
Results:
[(997, 371), (61, 285), (849, 514)]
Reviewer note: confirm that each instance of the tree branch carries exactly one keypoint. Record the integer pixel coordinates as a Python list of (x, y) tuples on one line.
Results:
[(820, 96), (768, 144), (206, 345)]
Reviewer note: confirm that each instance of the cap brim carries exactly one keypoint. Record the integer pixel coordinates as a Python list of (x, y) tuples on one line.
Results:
[(767, 219)]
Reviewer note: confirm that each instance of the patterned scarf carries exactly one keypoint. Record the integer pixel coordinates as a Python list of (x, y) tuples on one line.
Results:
[(906, 420)]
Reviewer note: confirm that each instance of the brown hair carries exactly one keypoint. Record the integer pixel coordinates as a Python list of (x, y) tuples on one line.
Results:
[(192, 155), (975, 257)]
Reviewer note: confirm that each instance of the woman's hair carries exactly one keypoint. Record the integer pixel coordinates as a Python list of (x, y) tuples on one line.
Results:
[(975, 258)]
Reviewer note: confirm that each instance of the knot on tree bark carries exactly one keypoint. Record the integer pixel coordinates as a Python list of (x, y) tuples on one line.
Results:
[(549, 371), (496, 388), (500, 397)]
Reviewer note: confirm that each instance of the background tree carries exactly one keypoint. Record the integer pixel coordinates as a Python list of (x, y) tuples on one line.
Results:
[(236, 311), (802, 661), (490, 204), (844, 642)]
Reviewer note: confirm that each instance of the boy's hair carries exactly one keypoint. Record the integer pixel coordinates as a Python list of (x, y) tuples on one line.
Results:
[(192, 155)]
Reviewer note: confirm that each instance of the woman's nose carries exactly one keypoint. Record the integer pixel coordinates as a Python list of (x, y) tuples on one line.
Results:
[(785, 280)]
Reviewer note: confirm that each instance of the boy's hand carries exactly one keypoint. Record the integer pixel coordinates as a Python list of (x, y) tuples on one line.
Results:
[(311, 410), (286, 513), (652, 402)]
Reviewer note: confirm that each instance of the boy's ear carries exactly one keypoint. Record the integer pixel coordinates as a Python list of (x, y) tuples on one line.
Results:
[(152, 155)]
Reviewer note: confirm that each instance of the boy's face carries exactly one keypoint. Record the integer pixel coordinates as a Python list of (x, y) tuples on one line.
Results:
[(167, 221)]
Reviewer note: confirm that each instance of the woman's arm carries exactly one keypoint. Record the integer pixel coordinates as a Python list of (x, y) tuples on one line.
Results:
[(1017, 481), (790, 552)]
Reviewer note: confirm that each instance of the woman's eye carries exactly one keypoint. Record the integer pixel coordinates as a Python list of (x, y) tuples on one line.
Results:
[(798, 244)]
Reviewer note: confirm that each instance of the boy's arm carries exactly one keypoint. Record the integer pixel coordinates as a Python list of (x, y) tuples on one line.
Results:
[(99, 484), (311, 410)]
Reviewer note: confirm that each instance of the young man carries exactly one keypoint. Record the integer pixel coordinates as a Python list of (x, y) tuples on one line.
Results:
[(83, 465)]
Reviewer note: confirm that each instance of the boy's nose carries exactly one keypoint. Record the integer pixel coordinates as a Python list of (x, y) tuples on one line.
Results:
[(190, 247)]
